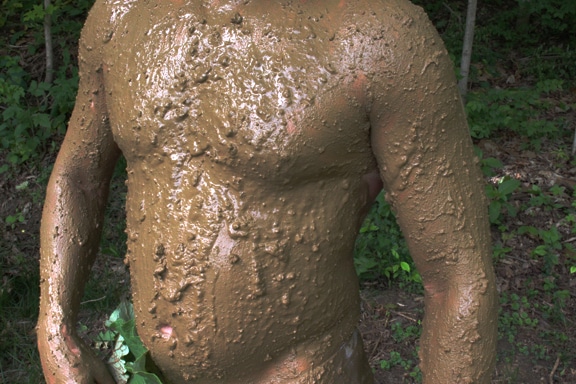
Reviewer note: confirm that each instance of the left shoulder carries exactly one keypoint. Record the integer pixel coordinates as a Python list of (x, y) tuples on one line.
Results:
[(395, 44), (391, 28), (372, 17)]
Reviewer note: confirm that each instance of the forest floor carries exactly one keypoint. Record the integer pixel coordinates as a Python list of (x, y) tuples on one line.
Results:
[(537, 317)]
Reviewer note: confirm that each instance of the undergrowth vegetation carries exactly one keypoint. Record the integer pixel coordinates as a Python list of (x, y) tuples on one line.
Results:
[(522, 91), (33, 112)]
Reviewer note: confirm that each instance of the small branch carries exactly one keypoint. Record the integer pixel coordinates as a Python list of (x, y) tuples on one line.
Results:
[(467, 47), (48, 43), (574, 144), (455, 14), (554, 370), (93, 300), (404, 316)]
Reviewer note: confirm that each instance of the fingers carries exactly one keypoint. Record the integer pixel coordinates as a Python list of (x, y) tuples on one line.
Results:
[(104, 378), (101, 373)]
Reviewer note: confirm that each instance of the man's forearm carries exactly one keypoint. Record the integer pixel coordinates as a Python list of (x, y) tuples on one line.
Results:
[(458, 344), (69, 237)]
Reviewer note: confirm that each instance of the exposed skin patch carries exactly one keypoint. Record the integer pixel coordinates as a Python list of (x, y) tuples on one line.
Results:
[(72, 347), (257, 134), (166, 331)]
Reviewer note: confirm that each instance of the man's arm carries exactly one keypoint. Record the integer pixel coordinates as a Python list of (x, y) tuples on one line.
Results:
[(425, 156), (72, 222)]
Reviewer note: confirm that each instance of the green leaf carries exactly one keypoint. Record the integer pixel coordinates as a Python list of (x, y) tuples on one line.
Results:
[(11, 220), (106, 337), (508, 186), (405, 266), (41, 120), (144, 378), (22, 186), (369, 228), (35, 14), (540, 250), (128, 331), (494, 211), (139, 365), (492, 162), (125, 311), (122, 321)]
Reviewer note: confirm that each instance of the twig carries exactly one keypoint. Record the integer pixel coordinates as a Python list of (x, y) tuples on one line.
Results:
[(92, 301), (516, 258), (554, 370), (574, 144), (404, 316), (467, 48), (48, 43), (455, 14)]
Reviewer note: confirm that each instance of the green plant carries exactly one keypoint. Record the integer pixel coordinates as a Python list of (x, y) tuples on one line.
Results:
[(27, 123), (18, 306), (14, 219), (401, 333), (33, 113), (488, 165), (130, 362), (492, 110), (499, 196), (409, 365), (381, 249), (514, 314), (499, 251)]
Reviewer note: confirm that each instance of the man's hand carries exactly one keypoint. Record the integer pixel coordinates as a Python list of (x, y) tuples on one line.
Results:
[(66, 359)]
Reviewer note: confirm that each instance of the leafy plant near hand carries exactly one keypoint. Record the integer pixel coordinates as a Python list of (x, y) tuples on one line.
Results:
[(129, 361)]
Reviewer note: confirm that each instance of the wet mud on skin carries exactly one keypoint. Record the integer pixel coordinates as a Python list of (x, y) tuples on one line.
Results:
[(246, 128), (234, 151)]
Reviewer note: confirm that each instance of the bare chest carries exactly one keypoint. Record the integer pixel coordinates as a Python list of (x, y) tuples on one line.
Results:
[(268, 95)]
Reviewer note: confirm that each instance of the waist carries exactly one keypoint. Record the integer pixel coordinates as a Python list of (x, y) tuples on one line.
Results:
[(226, 327)]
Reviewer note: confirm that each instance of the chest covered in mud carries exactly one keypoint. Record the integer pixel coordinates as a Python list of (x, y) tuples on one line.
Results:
[(237, 91)]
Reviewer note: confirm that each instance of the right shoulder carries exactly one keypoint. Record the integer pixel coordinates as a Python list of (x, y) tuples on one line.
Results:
[(103, 20), (108, 13)]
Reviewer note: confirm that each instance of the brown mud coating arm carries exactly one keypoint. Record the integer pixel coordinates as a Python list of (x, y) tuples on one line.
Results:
[(425, 156), (71, 227)]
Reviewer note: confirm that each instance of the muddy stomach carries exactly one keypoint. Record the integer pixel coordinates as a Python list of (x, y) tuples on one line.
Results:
[(227, 275)]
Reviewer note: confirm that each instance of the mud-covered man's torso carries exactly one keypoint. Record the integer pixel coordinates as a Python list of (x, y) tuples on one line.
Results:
[(247, 136), (256, 134)]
